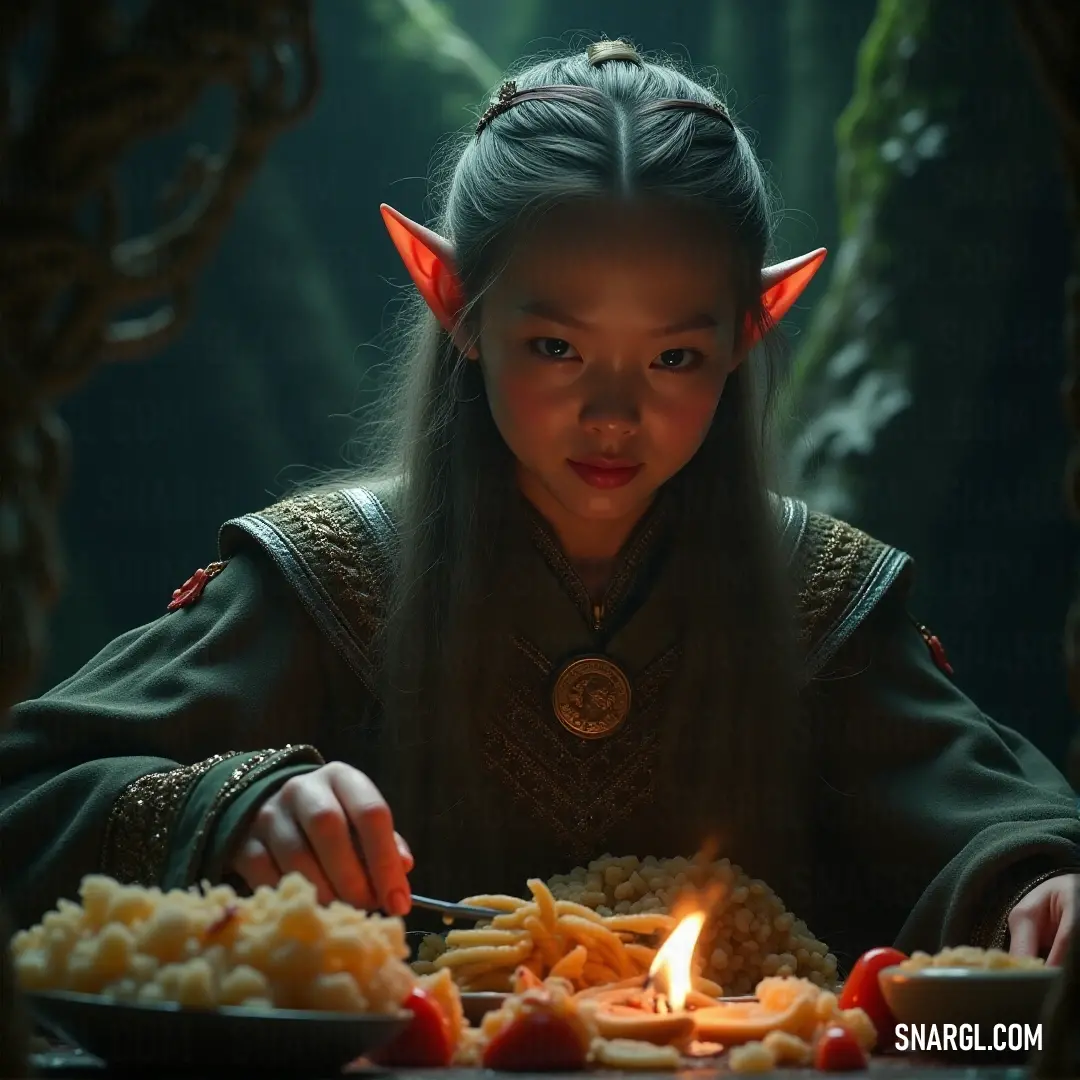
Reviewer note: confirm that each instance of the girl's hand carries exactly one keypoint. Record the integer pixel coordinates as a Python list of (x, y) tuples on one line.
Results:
[(1044, 921), (308, 825)]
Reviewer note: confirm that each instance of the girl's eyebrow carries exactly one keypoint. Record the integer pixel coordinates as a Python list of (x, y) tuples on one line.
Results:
[(544, 309)]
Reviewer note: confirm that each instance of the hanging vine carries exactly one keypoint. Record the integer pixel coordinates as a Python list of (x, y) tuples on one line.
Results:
[(72, 296)]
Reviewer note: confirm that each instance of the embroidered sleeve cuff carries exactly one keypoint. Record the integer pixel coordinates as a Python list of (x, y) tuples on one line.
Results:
[(233, 822), (992, 932), (160, 825), (141, 822)]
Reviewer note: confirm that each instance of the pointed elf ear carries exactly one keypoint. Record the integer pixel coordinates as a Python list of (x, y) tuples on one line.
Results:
[(781, 286), (429, 258)]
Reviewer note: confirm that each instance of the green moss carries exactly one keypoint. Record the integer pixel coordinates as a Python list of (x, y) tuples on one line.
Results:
[(881, 84), (848, 376)]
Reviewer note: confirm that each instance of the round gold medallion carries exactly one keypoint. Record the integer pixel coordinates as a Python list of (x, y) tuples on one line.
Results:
[(591, 697)]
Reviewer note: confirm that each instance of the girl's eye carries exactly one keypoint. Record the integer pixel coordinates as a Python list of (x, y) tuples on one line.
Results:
[(679, 359), (553, 348)]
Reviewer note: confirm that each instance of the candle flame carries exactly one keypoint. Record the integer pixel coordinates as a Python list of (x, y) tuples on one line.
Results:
[(672, 968)]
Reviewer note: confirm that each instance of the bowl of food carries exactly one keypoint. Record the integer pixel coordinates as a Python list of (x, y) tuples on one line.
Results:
[(991, 999)]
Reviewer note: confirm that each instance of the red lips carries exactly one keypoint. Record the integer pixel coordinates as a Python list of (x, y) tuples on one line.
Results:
[(605, 473)]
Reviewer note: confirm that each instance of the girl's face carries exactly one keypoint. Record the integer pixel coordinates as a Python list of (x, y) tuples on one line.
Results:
[(605, 345)]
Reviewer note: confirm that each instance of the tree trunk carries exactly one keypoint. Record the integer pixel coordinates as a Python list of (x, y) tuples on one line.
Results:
[(1052, 32), (919, 390)]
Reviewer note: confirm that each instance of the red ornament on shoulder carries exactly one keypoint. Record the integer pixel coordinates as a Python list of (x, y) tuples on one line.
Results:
[(192, 589), (937, 650)]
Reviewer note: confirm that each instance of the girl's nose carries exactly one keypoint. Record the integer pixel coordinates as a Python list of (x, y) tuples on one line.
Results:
[(612, 417), (621, 426), (612, 407)]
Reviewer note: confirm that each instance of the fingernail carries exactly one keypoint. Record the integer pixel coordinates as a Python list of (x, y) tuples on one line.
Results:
[(398, 902)]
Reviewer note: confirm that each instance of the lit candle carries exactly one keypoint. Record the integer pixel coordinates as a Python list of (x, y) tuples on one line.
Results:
[(660, 1010), (672, 969)]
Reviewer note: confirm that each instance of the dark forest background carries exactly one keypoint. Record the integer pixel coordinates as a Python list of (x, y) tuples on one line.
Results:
[(907, 136)]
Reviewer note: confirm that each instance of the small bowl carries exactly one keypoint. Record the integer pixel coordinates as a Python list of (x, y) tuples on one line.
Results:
[(986, 997), (477, 1005)]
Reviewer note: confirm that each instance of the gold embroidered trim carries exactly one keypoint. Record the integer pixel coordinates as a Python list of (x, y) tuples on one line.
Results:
[(535, 655), (137, 833), (561, 567), (993, 931), (628, 565), (253, 768), (140, 825), (339, 552), (832, 561)]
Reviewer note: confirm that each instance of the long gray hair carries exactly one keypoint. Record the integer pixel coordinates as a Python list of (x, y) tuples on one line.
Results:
[(733, 703)]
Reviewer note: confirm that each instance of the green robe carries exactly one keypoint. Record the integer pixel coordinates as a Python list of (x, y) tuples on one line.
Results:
[(148, 762)]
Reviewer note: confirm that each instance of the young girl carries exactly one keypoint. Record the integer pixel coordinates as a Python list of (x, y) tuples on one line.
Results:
[(564, 615)]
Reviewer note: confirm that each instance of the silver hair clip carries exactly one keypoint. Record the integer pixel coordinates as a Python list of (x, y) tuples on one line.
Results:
[(602, 51)]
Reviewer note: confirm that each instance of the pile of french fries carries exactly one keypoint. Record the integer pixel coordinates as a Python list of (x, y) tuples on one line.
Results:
[(551, 938)]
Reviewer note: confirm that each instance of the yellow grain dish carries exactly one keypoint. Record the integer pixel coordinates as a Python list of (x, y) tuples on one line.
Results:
[(749, 935), (969, 956), (278, 948)]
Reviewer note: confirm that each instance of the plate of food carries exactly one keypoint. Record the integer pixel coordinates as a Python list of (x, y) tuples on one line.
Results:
[(126, 1035), (204, 979)]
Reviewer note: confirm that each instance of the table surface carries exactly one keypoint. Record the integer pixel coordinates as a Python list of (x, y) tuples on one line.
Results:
[(68, 1064), (880, 1070)]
